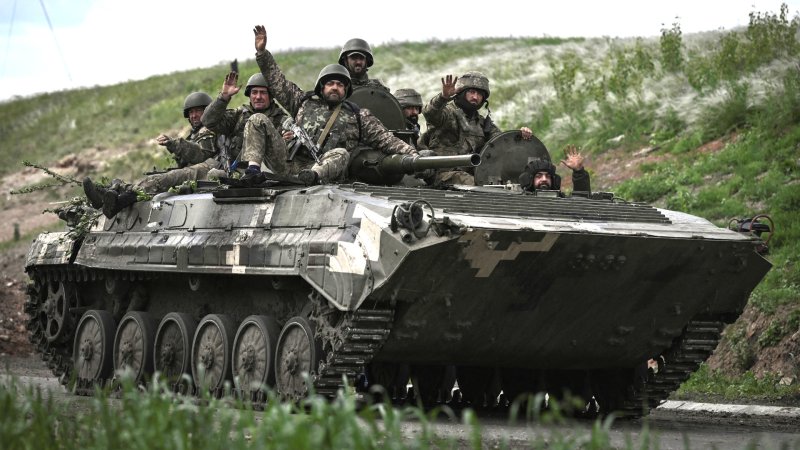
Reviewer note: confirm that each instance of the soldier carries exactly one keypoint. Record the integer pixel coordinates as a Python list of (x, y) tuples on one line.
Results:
[(232, 122), (411, 102), (458, 127), (334, 124), (356, 56), (199, 145), (198, 154), (540, 174)]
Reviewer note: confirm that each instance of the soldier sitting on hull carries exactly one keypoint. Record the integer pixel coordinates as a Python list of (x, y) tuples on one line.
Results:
[(411, 102), (200, 143), (356, 57), (334, 125), (540, 174), (457, 127), (233, 123)]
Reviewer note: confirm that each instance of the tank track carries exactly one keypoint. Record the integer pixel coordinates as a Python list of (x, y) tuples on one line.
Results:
[(698, 341), (350, 346), (56, 355)]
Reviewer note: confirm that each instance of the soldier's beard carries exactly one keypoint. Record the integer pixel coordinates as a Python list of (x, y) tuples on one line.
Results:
[(358, 72), (414, 118), (543, 185), (466, 106), (332, 99)]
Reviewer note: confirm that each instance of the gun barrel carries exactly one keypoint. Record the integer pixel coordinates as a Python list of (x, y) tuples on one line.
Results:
[(409, 164)]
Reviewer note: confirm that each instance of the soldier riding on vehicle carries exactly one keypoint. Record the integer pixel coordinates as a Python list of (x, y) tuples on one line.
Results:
[(356, 57), (457, 127)]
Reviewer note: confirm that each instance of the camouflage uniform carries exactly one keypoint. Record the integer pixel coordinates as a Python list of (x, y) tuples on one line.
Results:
[(349, 131), (452, 132), (232, 123), (407, 98), (196, 147), (366, 82), (161, 182), (357, 45)]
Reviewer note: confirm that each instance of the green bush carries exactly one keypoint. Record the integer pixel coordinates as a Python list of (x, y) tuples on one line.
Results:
[(672, 48)]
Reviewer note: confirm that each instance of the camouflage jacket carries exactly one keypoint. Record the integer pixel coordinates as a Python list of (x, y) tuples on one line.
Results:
[(353, 126), (230, 123), (367, 82), (451, 132), (196, 147)]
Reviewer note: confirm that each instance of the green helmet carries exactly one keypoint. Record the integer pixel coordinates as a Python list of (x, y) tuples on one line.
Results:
[(333, 71), (194, 100), (257, 79), (473, 80), (355, 45), (408, 97)]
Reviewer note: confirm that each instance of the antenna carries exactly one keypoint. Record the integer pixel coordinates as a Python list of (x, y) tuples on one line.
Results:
[(55, 38)]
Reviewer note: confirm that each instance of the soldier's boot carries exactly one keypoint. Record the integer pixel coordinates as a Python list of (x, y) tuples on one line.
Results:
[(114, 202), (308, 177), (94, 193)]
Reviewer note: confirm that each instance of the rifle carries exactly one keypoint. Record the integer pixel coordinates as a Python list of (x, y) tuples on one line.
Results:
[(225, 144), (301, 135)]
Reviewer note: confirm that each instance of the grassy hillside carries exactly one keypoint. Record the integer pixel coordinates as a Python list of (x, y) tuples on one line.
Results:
[(717, 114)]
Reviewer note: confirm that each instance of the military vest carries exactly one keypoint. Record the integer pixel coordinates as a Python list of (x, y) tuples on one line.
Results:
[(467, 137)]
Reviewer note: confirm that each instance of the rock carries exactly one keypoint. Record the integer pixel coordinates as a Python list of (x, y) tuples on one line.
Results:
[(786, 381), (5, 337), (647, 150)]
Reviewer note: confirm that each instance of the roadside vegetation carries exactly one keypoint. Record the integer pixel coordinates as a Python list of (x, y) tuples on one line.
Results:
[(717, 114), (154, 418)]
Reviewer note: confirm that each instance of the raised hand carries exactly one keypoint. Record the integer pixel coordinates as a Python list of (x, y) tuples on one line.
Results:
[(572, 158), (261, 38), (230, 87), (449, 86)]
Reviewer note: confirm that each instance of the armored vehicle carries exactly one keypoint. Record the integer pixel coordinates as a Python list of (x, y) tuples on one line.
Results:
[(278, 286)]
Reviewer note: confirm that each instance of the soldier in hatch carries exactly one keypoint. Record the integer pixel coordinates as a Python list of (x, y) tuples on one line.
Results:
[(540, 174), (457, 127), (334, 124), (356, 57)]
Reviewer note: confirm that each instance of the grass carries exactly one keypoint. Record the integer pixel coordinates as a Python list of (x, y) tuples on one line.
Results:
[(153, 418), (717, 386)]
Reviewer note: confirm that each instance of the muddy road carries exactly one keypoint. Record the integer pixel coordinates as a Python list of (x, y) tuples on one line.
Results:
[(675, 425)]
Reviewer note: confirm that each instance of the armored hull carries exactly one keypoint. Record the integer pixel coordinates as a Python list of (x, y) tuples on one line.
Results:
[(502, 290)]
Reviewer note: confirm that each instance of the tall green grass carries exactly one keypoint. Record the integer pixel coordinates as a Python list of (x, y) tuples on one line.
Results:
[(153, 418)]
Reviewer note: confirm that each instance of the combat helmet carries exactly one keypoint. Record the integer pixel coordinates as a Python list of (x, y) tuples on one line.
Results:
[(333, 71), (408, 97), (473, 80), (355, 45), (194, 100), (257, 79)]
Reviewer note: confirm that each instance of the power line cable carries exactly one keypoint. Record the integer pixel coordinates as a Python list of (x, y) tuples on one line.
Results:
[(8, 41), (55, 38)]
